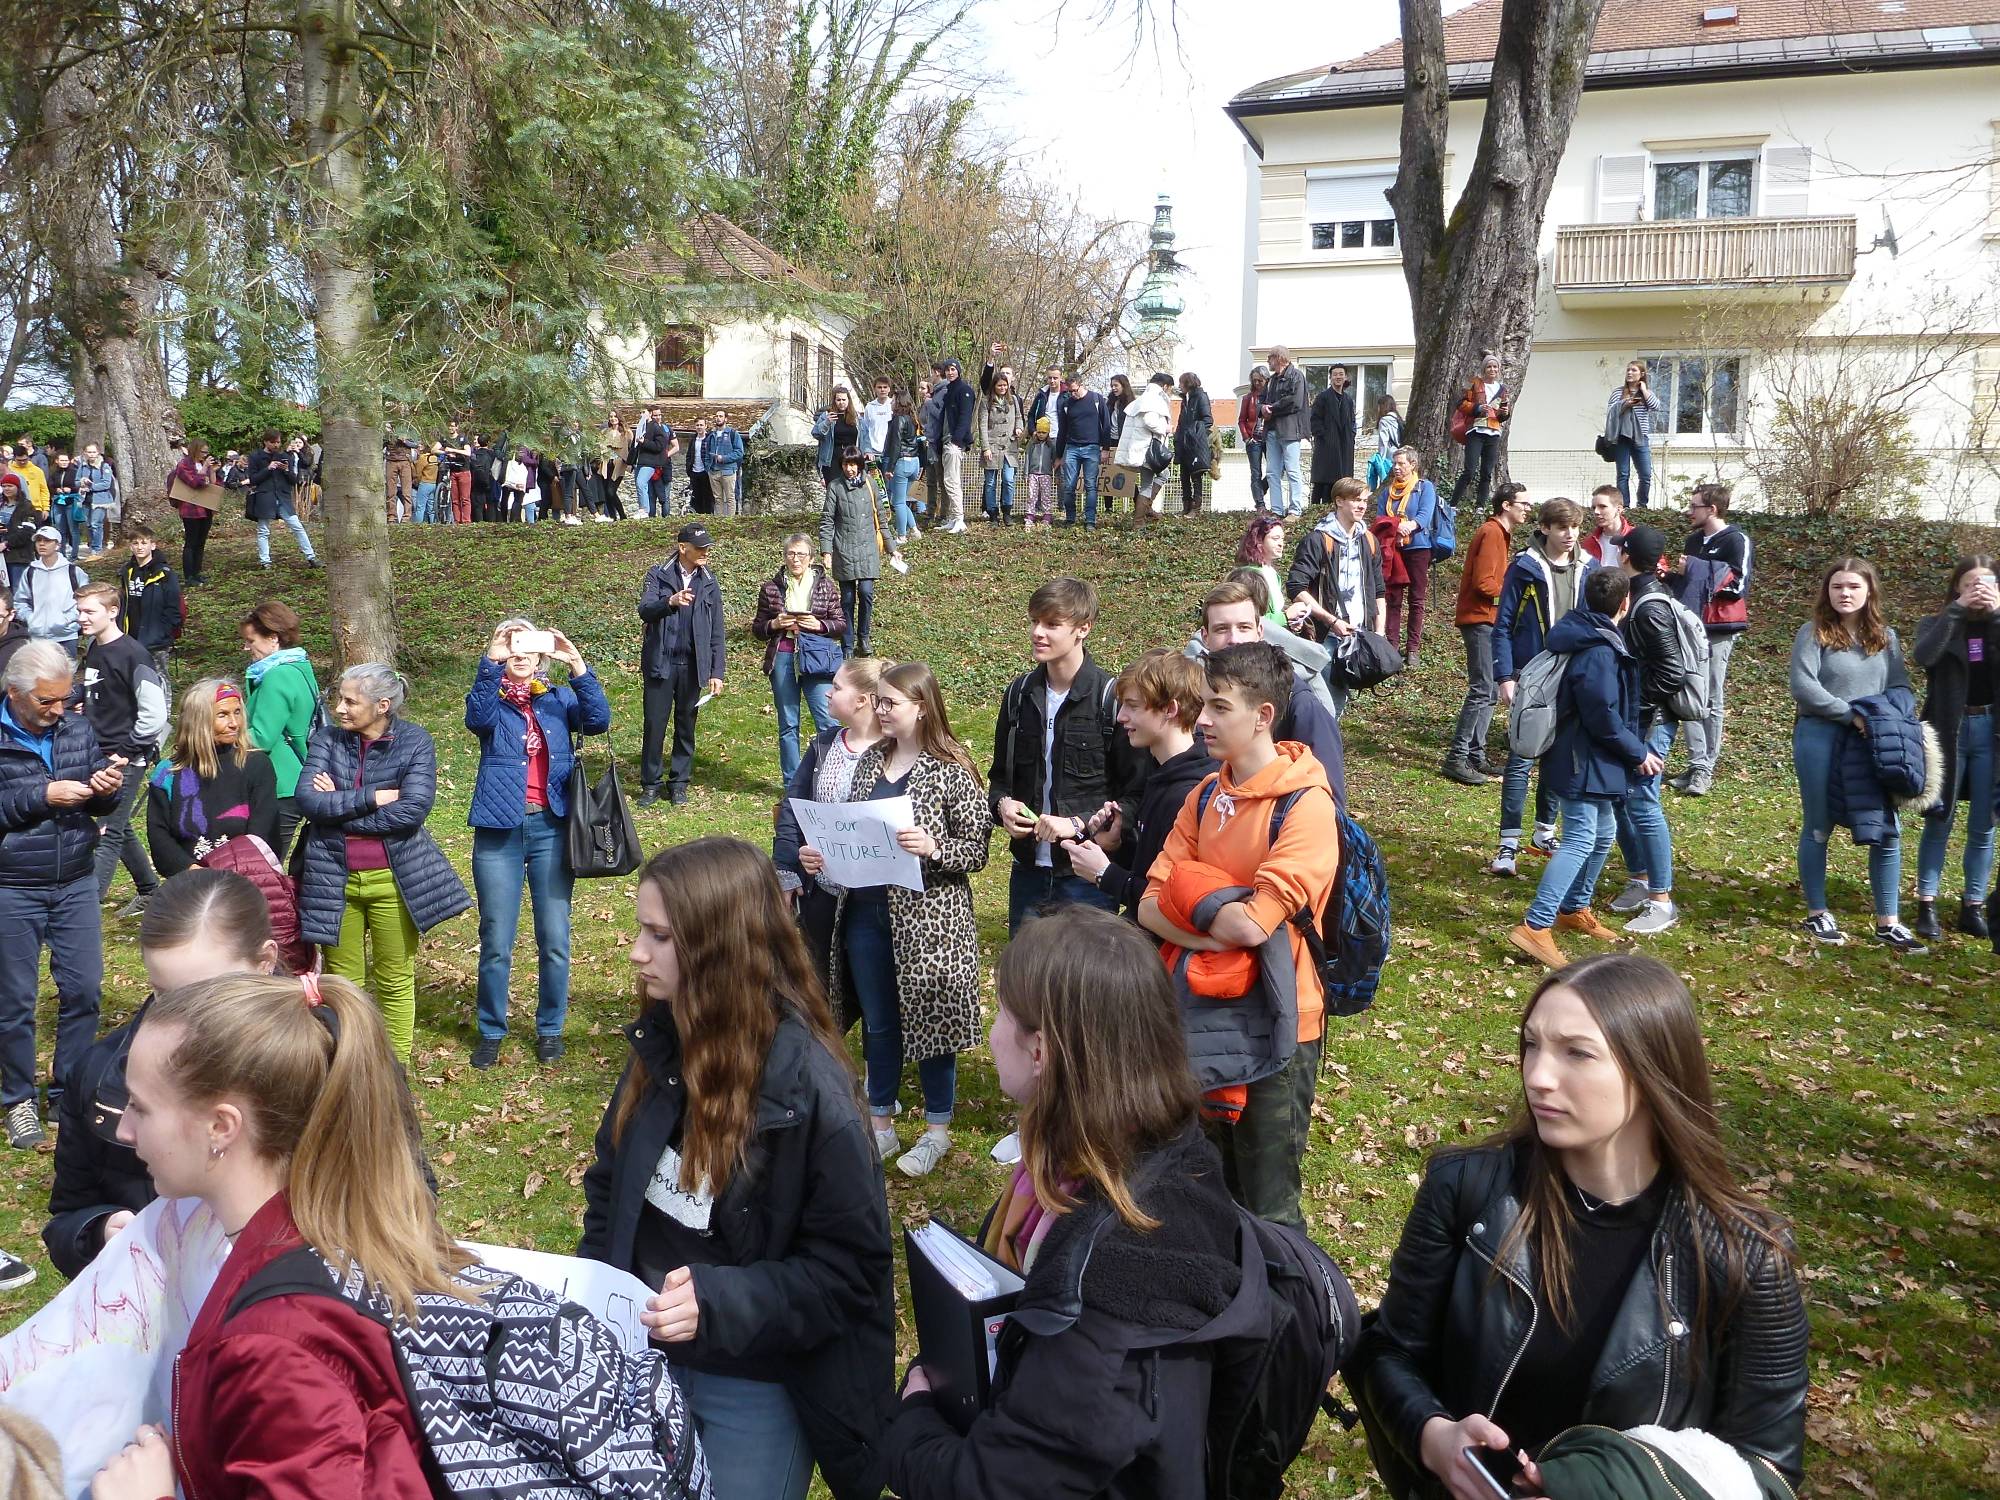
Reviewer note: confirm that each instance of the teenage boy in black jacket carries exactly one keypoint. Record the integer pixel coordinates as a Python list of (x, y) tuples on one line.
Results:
[(1159, 698), (1652, 631), (151, 613), (1058, 753), (125, 699)]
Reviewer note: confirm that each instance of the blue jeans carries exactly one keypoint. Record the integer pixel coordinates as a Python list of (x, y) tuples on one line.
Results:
[(786, 691), (1638, 456), (298, 530), (1589, 828), (1813, 744), (424, 507), (857, 602), (1002, 481), (1514, 798), (100, 522), (65, 523), (1281, 473), (503, 859), (1085, 457), (1975, 789), (908, 467), (1255, 453), (1030, 888), (68, 919), (1644, 841), (871, 957), (751, 1434), (644, 481)]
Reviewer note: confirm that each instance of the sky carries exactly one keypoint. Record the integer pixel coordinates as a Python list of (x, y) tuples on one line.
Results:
[(1123, 128)]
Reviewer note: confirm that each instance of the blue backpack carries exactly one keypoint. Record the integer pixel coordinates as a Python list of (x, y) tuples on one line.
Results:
[(1350, 967)]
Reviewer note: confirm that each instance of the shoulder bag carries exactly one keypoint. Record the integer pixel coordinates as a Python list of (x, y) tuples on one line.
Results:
[(601, 838)]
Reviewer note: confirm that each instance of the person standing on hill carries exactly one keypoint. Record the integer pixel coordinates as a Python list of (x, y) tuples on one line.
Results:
[(1644, 839), (1715, 584), (681, 604), (125, 699), (954, 438), (1607, 539), (273, 477), (1332, 435), (282, 702), (1959, 650), (150, 597), (1083, 423), (1194, 426), (1479, 589), (852, 523), (1287, 417), (1487, 405), (1250, 429)]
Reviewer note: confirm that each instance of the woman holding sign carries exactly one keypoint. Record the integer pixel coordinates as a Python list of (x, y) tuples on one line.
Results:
[(912, 956), (734, 1174)]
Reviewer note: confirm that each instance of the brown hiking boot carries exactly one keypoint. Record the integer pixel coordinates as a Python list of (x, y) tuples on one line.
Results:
[(1586, 922), (1537, 943)]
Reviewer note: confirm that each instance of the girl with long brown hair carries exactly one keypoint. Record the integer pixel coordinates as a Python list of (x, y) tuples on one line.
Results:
[(1594, 1263), (912, 957), (279, 1103), (1102, 1382), (1844, 653), (734, 1174)]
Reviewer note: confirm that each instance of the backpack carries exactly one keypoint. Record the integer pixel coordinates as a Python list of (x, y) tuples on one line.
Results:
[(1266, 1391), (1532, 720), (1350, 969), (1691, 651), (1444, 527), (519, 1394)]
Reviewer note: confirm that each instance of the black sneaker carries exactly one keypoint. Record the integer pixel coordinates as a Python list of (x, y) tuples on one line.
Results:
[(486, 1052), (1899, 937), (1457, 768), (1972, 920), (1823, 930), (648, 795), (1925, 925), (677, 795), (14, 1272), (549, 1049), (24, 1126)]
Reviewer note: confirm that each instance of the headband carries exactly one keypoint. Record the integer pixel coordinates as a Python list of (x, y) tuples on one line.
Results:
[(224, 692)]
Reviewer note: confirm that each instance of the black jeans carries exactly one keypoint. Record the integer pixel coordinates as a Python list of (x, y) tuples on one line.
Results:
[(857, 602), (118, 841), (1482, 450), (1192, 476), (289, 818), (194, 542), (1262, 1150), (667, 697), (701, 494)]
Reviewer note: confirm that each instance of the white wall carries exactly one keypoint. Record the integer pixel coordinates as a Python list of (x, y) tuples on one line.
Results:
[(747, 357)]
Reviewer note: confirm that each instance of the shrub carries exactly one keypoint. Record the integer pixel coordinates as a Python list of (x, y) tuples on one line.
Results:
[(52, 426), (231, 419)]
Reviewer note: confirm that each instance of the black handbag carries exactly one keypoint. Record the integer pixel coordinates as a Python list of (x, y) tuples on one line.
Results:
[(1158, 457), (1606, 449), (1373, 660), (601, 837)]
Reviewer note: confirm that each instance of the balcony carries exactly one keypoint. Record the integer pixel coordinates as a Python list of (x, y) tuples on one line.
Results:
[(1702, 259)]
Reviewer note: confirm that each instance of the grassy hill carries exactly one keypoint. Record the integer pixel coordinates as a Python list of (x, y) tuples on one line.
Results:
[(1860, 1090)]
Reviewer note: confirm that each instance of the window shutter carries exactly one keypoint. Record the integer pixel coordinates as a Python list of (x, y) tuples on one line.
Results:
[(1983, 432), (1621, 187), (1787, 174), (1993, 190), (1334, 199)]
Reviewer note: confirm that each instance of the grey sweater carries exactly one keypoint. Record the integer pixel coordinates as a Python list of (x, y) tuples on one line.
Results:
[(1825, 683)]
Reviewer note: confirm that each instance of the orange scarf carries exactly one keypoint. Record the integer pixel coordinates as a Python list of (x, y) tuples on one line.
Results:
[(1401, 487)]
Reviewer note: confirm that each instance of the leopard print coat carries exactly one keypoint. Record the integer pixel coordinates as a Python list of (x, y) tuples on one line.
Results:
[(933, 931)]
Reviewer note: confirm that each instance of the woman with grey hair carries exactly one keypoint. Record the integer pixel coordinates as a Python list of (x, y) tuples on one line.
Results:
[(374, 879), (796, 604)]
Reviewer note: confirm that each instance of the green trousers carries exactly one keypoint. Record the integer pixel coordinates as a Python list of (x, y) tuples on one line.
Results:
[(1261, 1151), (376, 917)]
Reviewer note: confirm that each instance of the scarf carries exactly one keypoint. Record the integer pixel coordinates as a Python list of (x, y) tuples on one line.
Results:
[(1015, 1233), (1401, 487), (522, 693), (255, 670)]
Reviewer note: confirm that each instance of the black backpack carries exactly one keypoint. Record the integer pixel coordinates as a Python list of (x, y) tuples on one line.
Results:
[(1268, 1389), (519, 1395)]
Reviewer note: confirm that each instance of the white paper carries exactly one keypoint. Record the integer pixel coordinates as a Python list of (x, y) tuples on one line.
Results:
[(614, 1297), (858, 841), (97, 1362), (704, 700), (896, 562)]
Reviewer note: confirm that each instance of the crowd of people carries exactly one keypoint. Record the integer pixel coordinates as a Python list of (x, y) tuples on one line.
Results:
[(1183, 857)]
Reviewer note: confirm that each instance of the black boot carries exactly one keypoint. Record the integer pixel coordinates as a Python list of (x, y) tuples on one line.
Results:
[(1925, 923), (1972, 920)]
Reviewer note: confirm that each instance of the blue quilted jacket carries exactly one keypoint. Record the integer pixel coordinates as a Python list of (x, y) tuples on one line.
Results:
[(42, 845), (1872, 773), (405, 758), (500, 795)]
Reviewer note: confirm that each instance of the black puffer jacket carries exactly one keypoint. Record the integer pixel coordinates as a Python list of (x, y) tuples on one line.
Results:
[(802, 1291), (1456, 1317), (1161, 797), (1104, 1368), (1944, 652), (42, 845)]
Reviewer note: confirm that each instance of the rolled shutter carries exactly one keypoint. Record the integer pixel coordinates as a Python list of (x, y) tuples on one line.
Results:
[(1787, 175), (1621, 187), (1335, 199)]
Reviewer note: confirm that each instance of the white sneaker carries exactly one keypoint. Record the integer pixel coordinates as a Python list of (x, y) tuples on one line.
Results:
[(1631, 898), (914, 534), (957, 529), (1504, 863), (1007, 1150), (885, 1144), (1657, 917), (926, 1154)]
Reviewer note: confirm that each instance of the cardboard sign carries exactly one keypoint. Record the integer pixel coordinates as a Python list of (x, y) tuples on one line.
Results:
[(858, 841)]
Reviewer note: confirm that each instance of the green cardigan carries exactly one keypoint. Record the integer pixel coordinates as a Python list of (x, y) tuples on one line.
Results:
[(281, 703)]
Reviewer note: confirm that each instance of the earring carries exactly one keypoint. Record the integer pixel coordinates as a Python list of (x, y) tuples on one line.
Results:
[(215, 1153)]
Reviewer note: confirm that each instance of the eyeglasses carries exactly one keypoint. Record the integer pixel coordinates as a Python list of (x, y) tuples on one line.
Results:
[(56, 702), (797, 556)]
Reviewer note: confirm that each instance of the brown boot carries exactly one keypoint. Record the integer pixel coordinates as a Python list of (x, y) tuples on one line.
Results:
[(1586, 922), (1538, 945)]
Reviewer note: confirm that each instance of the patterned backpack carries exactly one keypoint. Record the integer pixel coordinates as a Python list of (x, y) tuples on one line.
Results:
[(520, 1394)]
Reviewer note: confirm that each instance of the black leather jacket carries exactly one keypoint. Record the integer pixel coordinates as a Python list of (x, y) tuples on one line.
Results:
[(1651, 635), (1453, 1324)]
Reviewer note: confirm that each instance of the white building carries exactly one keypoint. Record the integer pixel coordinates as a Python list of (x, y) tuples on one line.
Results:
[(734, 352), (1728, 167)]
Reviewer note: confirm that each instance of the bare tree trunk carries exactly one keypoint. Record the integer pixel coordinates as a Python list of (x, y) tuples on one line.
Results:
[(357, 533), (1473, 276)]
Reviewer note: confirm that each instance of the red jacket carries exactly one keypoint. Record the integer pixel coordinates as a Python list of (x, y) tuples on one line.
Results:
[(296, 1398)]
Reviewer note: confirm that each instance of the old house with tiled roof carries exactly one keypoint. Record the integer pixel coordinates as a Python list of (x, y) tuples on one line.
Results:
[(1840, 158)]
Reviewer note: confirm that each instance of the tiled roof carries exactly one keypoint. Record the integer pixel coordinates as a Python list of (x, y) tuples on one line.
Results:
[(716, 250), (1672, 37)]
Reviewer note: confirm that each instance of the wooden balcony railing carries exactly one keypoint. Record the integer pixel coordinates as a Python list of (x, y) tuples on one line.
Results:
[(1704, 253)]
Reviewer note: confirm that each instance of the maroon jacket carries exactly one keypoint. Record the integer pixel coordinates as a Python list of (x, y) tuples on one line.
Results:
[(296, 1398), (771, 603)]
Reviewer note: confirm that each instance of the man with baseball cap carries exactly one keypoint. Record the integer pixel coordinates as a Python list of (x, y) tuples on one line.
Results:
[(681, 604), (46, 598), (1644, 840)]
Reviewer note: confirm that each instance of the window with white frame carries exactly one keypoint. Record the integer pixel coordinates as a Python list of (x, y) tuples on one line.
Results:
[(1700, 394), (1346, 209), (1705, 187), (1734, 182), (1368, 379)]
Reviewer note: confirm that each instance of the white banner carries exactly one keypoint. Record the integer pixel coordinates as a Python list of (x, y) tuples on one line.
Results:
[(858, 841)]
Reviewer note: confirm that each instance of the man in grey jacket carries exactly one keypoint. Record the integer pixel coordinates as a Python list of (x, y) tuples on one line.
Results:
[(1287, 413)]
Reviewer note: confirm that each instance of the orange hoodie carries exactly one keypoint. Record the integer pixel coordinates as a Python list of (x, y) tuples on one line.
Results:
[(1234, 834), (1485, 573)]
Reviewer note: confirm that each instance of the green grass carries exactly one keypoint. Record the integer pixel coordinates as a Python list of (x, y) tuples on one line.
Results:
[(1859, 1090)]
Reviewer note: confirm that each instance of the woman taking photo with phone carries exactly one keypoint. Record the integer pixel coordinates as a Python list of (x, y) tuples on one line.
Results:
[(1959, 650), (526, 726), (733, 1173), (797, 601), (912, 957), (1595, 1263), (374, 878)]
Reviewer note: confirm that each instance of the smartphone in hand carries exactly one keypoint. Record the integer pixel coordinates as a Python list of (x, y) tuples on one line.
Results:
[(1498, 1469)]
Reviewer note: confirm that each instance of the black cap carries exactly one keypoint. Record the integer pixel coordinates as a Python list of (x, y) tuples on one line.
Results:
[(1644, 547), (696, 535)]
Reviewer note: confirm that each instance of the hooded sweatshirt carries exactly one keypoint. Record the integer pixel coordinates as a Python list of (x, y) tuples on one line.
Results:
[(1233, 833)]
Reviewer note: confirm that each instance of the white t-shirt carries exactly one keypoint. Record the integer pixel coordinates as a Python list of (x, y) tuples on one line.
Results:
[(1045, 853)]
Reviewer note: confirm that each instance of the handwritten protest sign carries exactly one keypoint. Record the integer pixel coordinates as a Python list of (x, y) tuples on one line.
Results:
[(614, 1297), (858, 841)]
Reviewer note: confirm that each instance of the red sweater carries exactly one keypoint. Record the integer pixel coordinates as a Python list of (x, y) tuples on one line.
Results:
[(296, 1398)]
